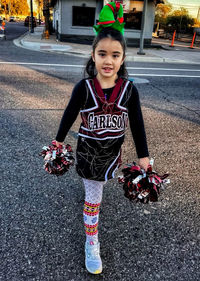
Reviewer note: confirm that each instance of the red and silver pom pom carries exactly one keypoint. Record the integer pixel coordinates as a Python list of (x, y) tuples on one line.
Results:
[(57, 160), (141, 185)]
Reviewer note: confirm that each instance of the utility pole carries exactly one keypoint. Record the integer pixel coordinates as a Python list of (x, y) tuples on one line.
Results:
[(198, 14), (39, 10), (31, 18), (144, 14)]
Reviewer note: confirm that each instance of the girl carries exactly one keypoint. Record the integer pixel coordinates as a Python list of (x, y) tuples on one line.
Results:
[(106, 100)]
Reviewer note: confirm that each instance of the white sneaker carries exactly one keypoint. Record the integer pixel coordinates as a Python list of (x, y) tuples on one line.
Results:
[(93, 261)]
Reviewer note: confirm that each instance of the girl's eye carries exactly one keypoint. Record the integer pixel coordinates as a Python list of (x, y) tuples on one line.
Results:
[(115, 56), (101, 55)]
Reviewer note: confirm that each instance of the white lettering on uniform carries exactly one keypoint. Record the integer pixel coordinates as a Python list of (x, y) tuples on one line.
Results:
[(107, 121)]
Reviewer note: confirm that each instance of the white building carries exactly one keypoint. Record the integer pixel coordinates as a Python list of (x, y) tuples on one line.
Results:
[(73, 20)]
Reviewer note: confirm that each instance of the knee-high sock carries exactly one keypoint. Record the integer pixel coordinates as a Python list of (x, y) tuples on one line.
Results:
[(93, 198)]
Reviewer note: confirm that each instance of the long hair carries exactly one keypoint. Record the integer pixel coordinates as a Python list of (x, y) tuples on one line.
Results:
[(113, 34)]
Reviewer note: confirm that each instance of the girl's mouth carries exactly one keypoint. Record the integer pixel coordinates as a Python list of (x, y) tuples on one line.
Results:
[(107, 69)]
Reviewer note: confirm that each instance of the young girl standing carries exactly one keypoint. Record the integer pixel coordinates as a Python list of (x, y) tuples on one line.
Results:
[(106, 101)]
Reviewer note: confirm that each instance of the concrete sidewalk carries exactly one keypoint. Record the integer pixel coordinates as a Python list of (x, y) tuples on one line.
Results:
[(35, 41)]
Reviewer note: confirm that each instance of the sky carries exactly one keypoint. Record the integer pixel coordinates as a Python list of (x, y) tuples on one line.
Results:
[(191, 5)]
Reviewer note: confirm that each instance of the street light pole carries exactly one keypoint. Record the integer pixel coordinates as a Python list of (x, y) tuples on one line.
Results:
[(31, 7), (141, 51)]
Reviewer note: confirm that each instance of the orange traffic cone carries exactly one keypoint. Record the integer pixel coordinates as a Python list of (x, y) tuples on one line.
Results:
[(191, 46), (46, 33), (173, 38)]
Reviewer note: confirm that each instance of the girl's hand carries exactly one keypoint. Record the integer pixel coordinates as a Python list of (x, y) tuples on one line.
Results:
[(59, 143), (144, 163)]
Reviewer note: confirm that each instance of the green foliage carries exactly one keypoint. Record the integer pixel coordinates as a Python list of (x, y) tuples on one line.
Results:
[(162, 11), (177, 20), (180, 22), (181, 12)]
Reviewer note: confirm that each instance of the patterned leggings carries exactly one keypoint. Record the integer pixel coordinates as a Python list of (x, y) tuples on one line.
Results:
[(93, 198)]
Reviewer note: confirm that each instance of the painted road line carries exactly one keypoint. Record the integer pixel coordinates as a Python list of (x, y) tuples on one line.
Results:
[(162, 69), (40, 64), (77, 65), (131, 68), (163, 75)]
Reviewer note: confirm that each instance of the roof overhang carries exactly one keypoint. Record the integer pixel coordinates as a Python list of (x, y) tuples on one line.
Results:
[(159, 2), (53, 2)]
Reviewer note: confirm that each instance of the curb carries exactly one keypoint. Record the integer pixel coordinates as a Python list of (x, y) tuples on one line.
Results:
[(61, 49), (44, 46)]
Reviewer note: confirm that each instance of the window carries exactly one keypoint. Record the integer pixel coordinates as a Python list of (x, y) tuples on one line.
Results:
[(133, 16), (83, 16), (133, 19), (132, 12)]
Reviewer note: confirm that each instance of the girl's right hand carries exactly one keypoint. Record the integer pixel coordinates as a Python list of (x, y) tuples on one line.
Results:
[(59, 143)]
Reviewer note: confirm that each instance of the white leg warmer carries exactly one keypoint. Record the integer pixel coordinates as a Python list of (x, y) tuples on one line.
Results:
[(93, 198)]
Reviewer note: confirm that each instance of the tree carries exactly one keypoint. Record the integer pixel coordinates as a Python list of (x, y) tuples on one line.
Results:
[(14, 7), (180, 20), (180, 12), (196, 23), (162, 11), (46, 17), (39, 5)]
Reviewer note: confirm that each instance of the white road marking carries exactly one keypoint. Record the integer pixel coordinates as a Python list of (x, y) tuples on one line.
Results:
[(40, 64), (77, 65), (163, 75), (167, 69), (130, 68)]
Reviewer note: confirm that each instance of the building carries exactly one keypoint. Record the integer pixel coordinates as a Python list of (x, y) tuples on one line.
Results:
[(73, 20)]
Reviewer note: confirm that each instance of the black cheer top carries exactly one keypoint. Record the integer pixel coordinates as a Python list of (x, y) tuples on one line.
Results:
[(101, 135)]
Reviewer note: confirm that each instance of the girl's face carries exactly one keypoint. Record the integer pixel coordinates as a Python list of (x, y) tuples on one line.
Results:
[(108, 58)]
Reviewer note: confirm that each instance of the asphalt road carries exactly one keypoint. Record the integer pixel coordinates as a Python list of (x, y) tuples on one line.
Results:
[(41, 225)]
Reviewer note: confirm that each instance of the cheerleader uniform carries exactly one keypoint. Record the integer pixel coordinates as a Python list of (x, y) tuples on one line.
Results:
[(105, 114)]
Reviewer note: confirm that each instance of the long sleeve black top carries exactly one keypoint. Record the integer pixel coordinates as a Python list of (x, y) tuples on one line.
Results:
[(136, 122)]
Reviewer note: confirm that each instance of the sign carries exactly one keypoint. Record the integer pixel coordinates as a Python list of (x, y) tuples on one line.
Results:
[(125, 4)]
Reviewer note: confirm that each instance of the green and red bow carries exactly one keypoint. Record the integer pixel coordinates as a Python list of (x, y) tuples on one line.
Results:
[(111, 16)]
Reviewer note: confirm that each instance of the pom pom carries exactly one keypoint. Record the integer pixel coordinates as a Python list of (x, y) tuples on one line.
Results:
[(57, 160), (142, 186)]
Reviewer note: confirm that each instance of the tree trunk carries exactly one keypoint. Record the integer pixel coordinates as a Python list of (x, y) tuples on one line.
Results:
[(46, 15)]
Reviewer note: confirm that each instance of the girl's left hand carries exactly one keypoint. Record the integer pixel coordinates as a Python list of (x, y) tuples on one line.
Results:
[(144, 163), (59, 143)]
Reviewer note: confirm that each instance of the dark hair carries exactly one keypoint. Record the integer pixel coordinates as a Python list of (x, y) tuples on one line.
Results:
[(113, 34)]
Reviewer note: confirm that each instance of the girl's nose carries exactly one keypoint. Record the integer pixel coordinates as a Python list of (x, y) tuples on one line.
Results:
[(108, 60)]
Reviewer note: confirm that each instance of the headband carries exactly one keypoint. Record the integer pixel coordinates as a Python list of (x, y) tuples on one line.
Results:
[(107, 17)]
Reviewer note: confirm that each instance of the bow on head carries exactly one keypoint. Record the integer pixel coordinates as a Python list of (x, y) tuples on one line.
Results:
[(111, 16)]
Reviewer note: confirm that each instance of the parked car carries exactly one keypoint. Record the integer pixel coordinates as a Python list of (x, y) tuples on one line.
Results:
[(12, 18), (27, 21), (17, 19)]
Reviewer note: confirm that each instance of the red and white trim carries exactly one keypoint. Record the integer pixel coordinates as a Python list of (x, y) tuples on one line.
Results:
[(122, 95), (112, 164), (107, 119)]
